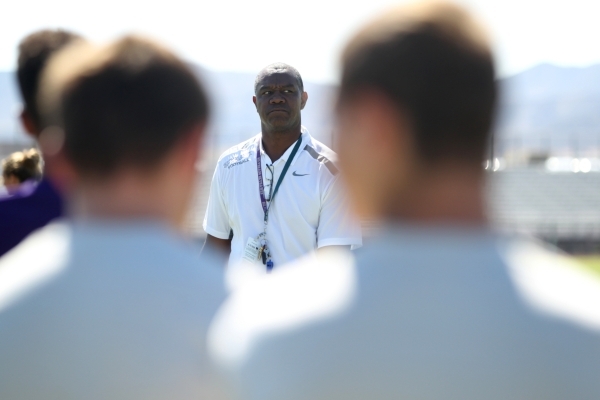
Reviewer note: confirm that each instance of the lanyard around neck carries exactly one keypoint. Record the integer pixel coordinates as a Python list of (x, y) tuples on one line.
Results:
[(261, 187)]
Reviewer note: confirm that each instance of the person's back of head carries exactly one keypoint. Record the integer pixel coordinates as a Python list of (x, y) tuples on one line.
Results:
[(113, 287), (21, 166), (417, 98), (132, 115), (34, 52)]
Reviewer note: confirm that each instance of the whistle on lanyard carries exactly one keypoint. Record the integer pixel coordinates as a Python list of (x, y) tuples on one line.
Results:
[(266, 258)]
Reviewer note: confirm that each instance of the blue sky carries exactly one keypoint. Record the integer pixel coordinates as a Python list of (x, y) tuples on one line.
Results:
[(247, 35)]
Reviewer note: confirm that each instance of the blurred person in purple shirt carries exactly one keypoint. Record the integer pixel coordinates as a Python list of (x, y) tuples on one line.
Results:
[(33, 205)]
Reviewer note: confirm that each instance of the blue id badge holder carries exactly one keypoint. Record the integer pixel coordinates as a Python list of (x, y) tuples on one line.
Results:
[(266, 258), (265, 253)]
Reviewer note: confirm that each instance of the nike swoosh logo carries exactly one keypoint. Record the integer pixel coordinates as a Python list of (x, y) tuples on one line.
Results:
[(296, 174)]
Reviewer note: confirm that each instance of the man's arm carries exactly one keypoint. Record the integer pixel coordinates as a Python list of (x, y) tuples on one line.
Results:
[(216, 221), (338, 226), (221, 245), (326, 249)]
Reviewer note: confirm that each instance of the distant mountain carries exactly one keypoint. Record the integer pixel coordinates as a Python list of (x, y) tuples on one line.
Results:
[(544, 109), (234, 117), (10, 129), (550, 109)]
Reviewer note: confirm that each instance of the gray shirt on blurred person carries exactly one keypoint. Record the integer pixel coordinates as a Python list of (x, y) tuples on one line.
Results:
[(104, 309), (420, 313)]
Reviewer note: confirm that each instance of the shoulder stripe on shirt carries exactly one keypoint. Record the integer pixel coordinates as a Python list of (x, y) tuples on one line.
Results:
[(322, 159)]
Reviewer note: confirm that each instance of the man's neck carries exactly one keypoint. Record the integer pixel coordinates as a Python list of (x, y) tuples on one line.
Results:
[(125, 198), (446, 196), (275, 144)]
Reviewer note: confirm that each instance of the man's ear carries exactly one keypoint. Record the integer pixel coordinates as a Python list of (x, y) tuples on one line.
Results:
[(61, 171), (374, 128), (386, 129), (303, 100), (28, 124), (254, 101), (191, 145)]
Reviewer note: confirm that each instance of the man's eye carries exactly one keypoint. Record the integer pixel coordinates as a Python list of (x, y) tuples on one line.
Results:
[(287, 91), (266, 92)]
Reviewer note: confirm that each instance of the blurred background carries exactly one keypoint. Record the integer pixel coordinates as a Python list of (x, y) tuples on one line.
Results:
[(544, 160)]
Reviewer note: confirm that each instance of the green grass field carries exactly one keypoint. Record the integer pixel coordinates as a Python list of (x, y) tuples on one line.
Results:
[(591, 262)]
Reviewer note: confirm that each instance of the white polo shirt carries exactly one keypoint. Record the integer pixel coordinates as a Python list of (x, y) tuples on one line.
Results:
[(309, 211)]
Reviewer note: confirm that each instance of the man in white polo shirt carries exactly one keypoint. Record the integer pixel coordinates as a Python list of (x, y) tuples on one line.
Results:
[(277, 196)]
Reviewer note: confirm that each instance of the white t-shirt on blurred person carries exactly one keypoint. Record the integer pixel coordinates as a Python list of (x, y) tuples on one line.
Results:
[(417, 314), (107, 310)]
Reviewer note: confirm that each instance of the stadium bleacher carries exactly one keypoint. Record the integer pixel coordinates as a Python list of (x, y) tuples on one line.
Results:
[(562, 208), (559, 207)]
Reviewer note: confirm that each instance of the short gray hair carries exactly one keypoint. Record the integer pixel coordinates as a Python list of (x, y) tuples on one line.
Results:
[(278, 68)]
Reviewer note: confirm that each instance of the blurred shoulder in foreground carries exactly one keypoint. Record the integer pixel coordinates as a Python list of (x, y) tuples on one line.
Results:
[(442, 314), (106, 310)]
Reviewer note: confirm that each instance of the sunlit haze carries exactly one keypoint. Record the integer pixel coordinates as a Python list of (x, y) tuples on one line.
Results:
[(247, 35)]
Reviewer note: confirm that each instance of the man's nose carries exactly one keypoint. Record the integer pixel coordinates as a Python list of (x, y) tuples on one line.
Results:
[(277, 99)]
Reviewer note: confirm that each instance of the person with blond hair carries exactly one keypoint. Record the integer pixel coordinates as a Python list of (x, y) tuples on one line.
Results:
[(20, 167)]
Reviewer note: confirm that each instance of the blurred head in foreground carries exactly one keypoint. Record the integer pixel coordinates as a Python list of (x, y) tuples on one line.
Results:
[(21, 166), (417, 101), (34, 52), (129, 118)]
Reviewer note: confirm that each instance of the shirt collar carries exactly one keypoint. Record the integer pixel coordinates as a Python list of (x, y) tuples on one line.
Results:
[(304, 137)]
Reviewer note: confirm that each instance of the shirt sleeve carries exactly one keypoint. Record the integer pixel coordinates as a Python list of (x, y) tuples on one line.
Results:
[(338, 226), (216, 220)]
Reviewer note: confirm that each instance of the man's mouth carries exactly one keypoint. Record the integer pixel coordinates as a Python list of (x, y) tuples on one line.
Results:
[(278, 110)]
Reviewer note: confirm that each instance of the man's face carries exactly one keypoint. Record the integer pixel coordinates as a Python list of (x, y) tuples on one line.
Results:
[(279, 100)]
